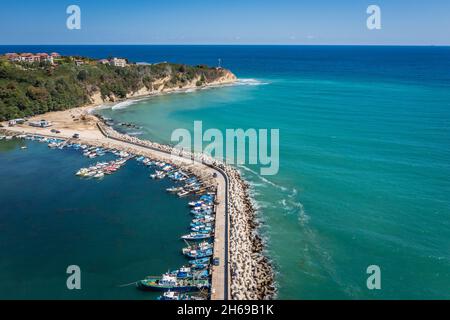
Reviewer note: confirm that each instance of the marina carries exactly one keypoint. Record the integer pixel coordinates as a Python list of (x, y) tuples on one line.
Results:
[(364, 135), (213, 191), (196, 275)]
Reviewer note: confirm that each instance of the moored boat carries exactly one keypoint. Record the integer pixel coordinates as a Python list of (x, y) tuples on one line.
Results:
[(202, 261), (197, 254), (196, 236), (174, 296), (170, 282)]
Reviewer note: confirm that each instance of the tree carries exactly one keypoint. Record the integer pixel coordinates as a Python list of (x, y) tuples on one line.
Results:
[(82, 75)]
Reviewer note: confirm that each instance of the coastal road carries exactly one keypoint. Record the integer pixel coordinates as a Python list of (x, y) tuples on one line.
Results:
[(220, 284)]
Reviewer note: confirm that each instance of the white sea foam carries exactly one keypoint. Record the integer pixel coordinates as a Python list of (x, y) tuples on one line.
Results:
[(264, 179), (123, 104), (135, 133), (250, 82), (290, 205)]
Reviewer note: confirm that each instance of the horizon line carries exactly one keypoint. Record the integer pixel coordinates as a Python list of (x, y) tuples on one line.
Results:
[(226, 44)]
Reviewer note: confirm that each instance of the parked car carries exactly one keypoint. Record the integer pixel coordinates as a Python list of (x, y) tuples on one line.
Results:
[(76, 136), (216, 262)]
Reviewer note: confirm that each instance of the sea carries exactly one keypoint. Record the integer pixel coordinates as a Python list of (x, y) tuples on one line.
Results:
[(363, 181)]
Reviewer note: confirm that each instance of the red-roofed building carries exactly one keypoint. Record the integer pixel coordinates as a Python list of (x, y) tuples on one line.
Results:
[(30, 57), (12, 56)]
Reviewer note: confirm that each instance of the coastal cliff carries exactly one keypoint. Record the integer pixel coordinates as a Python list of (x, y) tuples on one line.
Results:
[(166, 85), (28, 89)]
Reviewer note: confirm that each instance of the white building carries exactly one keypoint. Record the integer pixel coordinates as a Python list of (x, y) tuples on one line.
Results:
[(117, 62), (41, 124)]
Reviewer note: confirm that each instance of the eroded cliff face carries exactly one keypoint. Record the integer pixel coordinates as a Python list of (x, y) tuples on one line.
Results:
[(166, 85), (226, 76)]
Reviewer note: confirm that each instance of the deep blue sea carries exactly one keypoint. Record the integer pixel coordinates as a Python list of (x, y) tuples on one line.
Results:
[(363, 180)]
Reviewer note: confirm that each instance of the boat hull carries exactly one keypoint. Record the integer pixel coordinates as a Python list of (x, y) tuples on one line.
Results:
[(144, 286)]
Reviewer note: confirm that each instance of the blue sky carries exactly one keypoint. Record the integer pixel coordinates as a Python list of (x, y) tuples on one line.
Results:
[(422, 22)]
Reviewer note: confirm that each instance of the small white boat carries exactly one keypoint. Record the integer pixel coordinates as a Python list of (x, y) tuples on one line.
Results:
[(99, 175), (90, 174), (82, 172), (183, 193)]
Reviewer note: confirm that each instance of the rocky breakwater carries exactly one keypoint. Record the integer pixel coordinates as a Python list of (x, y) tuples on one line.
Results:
[(252, 276)]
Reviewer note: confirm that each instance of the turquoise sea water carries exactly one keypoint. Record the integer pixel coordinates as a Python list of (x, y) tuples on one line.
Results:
[(364, 152)]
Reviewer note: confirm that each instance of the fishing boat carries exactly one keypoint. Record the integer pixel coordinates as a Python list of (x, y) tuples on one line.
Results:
[(99, 175), (200, 261), (200, 206), (197, 254), (177, 296), (157, 176), (174, 189), (170, 282), (183, 193), (182, 273), (174, 296), (205, 219), (201, 226), (190, 273), (82, 172), (90, 174), (200, 215), (203, 231), (204, 245), (205, 210), (196, 236), (199, 266)]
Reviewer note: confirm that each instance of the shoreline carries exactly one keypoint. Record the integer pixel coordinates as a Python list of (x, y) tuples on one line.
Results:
[(250, 272)]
